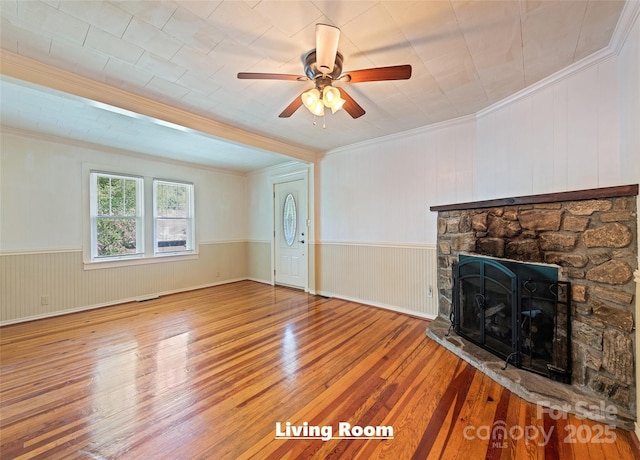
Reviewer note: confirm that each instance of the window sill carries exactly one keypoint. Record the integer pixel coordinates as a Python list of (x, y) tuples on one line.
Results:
[(161, 258)]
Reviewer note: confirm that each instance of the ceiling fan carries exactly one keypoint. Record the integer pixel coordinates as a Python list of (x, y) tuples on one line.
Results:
[(323, 66)]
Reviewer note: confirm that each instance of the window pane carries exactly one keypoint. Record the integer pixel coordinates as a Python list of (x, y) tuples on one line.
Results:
[(171, 235), (289, 219), (116, 196), (130, 198), (104, 193), (173, 217), (172, 200), (116, 236)]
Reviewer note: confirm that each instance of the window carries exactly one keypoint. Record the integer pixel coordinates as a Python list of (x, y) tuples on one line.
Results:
[(117, 227), (172, 216), (134, 217)]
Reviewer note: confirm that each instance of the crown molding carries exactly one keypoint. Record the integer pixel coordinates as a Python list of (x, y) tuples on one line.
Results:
[(625, 23), (627, 20), (591, 60), (293, 167), (405, 134), (30, 70)]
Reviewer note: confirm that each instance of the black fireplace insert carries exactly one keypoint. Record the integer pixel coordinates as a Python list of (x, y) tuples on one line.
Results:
[(518, 311)]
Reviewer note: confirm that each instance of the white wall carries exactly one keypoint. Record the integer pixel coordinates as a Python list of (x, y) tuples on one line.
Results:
[(628, 73), (376, 233), (42, 189), (380, 192), (43, 199), (564, 136), (260, 206), (38, 182), (579, 129)]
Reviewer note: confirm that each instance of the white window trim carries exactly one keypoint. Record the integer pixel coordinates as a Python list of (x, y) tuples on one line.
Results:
[(99, 264)]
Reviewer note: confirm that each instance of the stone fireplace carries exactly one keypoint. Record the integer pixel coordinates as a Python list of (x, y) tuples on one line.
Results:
[(591, 238)]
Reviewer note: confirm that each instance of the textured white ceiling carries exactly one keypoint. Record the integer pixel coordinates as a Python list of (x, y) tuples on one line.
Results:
[(466, 55)]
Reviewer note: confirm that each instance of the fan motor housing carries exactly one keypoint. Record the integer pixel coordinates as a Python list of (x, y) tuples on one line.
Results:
[(311, 69)]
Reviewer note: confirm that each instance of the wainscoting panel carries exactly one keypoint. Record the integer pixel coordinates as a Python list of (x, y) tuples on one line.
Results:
[(395, 277), (39, 284), (259, 261)]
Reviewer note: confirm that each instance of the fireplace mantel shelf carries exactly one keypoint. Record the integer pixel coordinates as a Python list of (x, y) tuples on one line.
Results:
[(577, 195)]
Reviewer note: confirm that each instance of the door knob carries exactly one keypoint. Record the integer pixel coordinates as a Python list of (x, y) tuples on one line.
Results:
[(301, 241)]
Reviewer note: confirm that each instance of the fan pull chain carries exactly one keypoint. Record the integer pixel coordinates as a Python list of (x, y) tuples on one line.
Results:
[(324, 121)]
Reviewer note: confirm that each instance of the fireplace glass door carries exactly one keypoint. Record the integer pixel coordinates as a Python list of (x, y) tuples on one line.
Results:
[(543, 329), (486, 294), (515, 310)]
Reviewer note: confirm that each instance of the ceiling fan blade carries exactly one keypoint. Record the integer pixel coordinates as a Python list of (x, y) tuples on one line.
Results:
[(327, 38), (270, 76), (291, 108), (396, 72), (350, 106)]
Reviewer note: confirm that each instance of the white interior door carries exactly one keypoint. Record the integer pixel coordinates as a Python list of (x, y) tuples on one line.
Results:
[(291, 233)]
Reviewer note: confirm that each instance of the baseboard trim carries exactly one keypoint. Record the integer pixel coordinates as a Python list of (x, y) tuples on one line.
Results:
[(405, 311), (258, 280), (117, 302), (26, 319)]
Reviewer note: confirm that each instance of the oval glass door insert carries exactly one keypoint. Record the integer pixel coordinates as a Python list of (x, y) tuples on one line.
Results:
[(289, 219)]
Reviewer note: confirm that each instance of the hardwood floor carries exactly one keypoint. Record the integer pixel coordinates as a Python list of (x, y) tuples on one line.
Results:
[(208, 374)]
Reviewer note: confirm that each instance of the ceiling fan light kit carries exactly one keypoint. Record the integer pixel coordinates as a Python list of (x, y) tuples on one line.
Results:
[(311, 100), (323, 66), (316, 100), (331, 98)]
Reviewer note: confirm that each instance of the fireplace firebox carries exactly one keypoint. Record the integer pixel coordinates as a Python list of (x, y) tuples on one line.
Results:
[(518, 311)]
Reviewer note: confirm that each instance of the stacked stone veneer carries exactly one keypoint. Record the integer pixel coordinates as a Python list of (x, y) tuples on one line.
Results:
[(595, 243)]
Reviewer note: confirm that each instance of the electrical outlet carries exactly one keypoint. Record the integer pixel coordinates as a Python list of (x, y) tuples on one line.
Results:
[(44, 300), (430, 292), (217, 274)]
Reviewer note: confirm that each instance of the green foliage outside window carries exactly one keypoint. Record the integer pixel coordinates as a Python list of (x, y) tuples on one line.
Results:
[(116, 216), (116, 237), (172, 200), (116, 196)]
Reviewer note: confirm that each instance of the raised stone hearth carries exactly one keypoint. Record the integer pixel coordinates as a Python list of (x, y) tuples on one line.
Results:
[(529, 386), (592, 237)]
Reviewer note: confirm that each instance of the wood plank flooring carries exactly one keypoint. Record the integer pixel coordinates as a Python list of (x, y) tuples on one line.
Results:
[(207, 375)]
